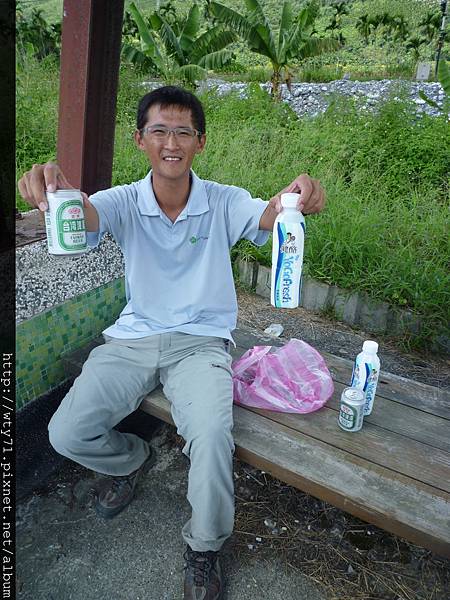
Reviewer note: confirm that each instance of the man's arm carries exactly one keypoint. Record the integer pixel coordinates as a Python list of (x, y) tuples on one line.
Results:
[(49, 177), (311, 200)]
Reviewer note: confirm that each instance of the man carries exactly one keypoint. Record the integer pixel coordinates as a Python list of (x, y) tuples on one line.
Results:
[(175, 231)]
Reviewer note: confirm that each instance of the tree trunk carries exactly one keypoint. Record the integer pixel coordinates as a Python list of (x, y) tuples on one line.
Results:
[(276, 77)]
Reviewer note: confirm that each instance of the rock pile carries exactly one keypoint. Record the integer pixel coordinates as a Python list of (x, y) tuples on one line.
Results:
[(311, 99)]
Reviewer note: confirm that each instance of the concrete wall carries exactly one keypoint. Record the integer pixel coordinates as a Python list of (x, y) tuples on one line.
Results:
[(61, 304)]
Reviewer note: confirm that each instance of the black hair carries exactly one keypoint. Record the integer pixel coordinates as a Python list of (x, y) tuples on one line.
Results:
[(171, 95)]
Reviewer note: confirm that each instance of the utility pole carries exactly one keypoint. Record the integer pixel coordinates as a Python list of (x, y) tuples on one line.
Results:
[(441, 35)]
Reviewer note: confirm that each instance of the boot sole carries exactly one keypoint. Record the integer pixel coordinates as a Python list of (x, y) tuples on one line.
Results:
[(106, 513)]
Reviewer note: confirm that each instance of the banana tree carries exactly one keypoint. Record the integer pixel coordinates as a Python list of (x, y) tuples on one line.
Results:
[(430, 25), (400, 27), (365, 26), (295, 40), (414, 44), (186, 56)]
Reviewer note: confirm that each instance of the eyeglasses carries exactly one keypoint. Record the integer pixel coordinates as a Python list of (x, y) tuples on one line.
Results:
[(160, 132)]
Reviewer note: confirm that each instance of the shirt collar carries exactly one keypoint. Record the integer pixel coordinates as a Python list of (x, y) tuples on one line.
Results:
[(197, 203)]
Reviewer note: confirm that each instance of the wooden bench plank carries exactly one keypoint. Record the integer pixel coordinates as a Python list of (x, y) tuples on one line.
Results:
[(418, 395), (394, 502), (374, 444), (405, 420)]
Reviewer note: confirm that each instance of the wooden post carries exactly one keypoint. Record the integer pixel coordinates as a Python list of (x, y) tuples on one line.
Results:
[(90, 59)]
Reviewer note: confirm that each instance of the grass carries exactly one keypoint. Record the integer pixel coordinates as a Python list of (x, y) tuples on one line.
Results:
[(385, 227), (36, 116)]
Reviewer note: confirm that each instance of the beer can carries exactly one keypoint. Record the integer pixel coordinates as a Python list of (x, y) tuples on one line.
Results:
[(351, 409), (64, 223)]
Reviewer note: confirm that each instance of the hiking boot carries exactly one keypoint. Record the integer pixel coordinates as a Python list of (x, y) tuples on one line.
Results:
[(203, 576), (118, 492)]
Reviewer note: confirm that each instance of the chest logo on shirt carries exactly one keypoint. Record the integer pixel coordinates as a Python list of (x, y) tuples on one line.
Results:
[(194, 239)]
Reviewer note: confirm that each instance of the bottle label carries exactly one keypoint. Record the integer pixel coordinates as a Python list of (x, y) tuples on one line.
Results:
[(365, 377), (371, 386), (289, 264), (360, 375), (348, 416), (70, 225)]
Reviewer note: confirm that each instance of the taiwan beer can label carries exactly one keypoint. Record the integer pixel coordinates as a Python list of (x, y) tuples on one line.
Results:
[(351, 409), (64, 223)]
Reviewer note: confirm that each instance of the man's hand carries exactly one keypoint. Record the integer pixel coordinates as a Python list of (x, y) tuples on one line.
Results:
[(33, 184), (49, 177), (311, 200)]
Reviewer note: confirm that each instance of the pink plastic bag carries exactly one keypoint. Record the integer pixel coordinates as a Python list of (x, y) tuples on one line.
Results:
[(293, 378)]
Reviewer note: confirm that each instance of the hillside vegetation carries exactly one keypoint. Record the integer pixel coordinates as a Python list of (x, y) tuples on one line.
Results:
[(384, 54)]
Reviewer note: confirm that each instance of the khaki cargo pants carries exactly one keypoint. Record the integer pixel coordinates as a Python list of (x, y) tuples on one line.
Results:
[(196, 374)]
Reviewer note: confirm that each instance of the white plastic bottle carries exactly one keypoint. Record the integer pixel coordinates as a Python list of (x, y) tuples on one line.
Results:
[(365, 373), (287, 254)]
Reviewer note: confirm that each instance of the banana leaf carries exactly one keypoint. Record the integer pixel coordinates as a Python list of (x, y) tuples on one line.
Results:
[(211, 41), (149, 46), (216, 60), (192, 25), (236, 22), (258, 20), (171, 42), (313, 47), (285, 24), (192, 73)]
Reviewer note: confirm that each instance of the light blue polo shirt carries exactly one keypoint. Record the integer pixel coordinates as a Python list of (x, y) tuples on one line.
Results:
[(178, 276)]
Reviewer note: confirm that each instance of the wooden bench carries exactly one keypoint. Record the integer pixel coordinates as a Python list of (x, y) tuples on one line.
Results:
[(394, 473)]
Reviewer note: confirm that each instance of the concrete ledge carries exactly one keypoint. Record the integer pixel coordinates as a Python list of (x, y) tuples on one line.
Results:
[(44, 281), (248, 272), (263, 281), (354, 308), (314, 295)]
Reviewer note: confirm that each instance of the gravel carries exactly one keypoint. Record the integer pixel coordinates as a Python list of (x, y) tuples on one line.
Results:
[(311, 99)]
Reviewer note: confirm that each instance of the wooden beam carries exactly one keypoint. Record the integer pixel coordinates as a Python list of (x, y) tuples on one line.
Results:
[(90, 59)]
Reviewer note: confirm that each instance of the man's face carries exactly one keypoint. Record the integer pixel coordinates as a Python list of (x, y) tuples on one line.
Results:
[(171, 156)]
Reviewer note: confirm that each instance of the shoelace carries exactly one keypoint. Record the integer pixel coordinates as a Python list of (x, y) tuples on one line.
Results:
[(119, 483), (202, 563)]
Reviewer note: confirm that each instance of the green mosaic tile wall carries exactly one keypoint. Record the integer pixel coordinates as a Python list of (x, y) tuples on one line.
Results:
[(41, 340)]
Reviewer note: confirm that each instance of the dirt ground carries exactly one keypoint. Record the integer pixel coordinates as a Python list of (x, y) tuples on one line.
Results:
[(350, 559)]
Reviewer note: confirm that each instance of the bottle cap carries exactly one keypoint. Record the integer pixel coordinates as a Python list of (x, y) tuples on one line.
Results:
[(289, 200), (370, 347)]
